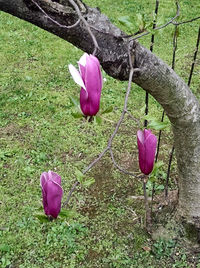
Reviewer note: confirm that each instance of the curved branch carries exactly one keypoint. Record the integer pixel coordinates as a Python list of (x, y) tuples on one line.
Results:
[(186, 21), (60, 25), (96, 46), (119, 167)]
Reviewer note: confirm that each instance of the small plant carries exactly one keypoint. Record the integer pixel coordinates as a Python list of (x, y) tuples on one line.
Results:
[(163, 248), (81, 178), (154, 182), (155, 123)]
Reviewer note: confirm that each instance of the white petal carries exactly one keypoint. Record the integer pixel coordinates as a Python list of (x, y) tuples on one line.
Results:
[(76, 76), (82, 60)]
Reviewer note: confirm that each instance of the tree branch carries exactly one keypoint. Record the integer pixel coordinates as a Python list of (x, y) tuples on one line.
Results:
[(186, 21), (60, 25), (96, 46)]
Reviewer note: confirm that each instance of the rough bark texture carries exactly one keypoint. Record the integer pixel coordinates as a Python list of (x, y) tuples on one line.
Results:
[(154, 76)]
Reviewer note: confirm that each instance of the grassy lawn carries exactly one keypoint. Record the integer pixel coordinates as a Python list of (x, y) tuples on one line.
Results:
[(104, 227)]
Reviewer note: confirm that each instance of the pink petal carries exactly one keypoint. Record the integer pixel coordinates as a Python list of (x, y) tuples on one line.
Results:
[(51, 193), (54, 196), (141, 151), (147, 132), (84, 103), (140, 136), (54, 177), (43, 183), (150, 146), (99, 69)]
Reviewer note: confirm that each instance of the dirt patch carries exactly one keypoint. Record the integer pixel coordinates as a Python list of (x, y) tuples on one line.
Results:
[(109, 185), (14, 131)]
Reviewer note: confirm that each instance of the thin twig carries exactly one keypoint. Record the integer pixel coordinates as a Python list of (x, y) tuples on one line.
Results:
[(152, 197), (96, 46), (148, 215), (194, 58), (186, 21), (70, 193), (96, 160), (163, 26), (124, 110), (132, 117), (120, 168), (54, 21)]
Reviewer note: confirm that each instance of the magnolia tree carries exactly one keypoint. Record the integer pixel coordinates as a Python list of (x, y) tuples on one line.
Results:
[(119, 55)]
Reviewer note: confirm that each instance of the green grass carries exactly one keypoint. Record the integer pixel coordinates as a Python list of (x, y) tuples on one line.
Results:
[(38, 133)]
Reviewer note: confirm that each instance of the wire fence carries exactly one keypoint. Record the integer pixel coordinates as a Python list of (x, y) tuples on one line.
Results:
[(175, 45)]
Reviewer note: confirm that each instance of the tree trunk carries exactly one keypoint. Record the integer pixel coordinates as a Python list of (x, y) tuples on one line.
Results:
[(153, 75)]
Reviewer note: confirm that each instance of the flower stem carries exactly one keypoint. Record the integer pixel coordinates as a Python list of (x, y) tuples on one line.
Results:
[(147, 210)]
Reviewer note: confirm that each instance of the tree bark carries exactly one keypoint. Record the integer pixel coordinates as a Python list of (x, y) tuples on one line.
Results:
[(153, 75)]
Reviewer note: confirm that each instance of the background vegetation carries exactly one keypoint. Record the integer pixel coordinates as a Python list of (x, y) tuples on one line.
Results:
[(104, 227)]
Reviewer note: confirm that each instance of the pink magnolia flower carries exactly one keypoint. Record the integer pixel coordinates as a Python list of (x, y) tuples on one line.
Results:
[(147, 148), (52, 192), (89, 77)]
